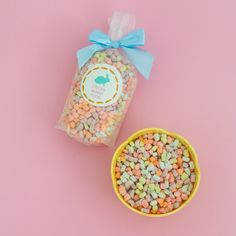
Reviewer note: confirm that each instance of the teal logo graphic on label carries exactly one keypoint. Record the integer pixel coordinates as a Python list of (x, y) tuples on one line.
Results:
[(102, 80), (101, 85)]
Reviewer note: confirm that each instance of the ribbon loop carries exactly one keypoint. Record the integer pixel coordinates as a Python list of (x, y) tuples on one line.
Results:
[(141, 59)]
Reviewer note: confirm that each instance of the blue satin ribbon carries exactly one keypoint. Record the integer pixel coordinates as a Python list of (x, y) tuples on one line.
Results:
[(141, 59)]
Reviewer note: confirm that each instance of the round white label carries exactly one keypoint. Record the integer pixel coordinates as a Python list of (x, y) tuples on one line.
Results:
[(101, 85)]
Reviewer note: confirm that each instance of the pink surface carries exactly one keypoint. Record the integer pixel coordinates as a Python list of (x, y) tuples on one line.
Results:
[(53, 186)]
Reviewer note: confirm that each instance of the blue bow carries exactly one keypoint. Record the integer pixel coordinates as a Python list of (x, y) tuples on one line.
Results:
[(141, 59)]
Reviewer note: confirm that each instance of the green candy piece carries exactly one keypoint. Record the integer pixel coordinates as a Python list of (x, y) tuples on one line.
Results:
[(131, 144), (157, 137), (131, 149), (155, 208), (184, 188), (173, 161), (146, 163), (162, 165), (137, 144), (126, 175), (153, 194), (154, 148), (168, 166), (123, 179), (174, 144), (142, 166), (157, 188), (151, 187), (167, 184), (144, 172), (164, 138), (137, 191), (141, 144), (123, 168), (186, 153), (139, 186), (163, 156), (145, 210), (186, 159), (184, 176), (123, 68), (133, 178), (153, 203), (156, 178), (142, 195), (154, 154), (162, 195), (167, 192), (191, 164), (187, 171), (132, 165), (142, 180)]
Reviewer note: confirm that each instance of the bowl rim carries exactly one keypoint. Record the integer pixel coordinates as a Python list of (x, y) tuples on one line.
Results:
[(173, 134)]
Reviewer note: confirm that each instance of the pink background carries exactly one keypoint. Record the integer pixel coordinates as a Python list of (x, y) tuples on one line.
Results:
[(52, 186)]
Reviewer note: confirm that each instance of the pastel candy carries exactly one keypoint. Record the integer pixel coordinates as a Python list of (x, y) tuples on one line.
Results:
[(155, 184), (103, 128)]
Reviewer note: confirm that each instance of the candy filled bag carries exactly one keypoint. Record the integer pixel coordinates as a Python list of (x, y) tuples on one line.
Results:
[(105, 82)]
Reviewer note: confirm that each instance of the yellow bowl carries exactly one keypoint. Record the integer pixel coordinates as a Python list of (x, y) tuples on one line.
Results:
[(162, 131)]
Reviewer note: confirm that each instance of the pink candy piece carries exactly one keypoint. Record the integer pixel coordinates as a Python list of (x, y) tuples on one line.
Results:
[(122, 190), (145, 203), (184, 196), (177, 194), (148, 146), (108, 61)]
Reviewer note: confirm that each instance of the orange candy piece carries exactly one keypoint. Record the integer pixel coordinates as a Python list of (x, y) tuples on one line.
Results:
[(159, 172), (72, 124), (117, 175), (160, 201)]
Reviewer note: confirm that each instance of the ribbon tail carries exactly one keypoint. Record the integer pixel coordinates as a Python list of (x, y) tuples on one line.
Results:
[(141, 59), (84, 54)]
